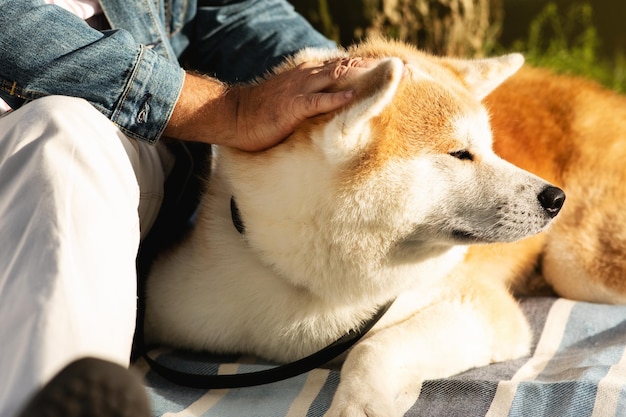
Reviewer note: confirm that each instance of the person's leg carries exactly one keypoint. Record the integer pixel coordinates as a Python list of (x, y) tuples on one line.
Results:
[(70, 230), (239, 40)]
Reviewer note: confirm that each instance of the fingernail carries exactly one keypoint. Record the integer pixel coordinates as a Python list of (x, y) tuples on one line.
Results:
[(348, 94)]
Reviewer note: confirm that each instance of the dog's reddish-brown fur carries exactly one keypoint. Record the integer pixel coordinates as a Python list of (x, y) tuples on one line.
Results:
[(567, 130), (571, 132)]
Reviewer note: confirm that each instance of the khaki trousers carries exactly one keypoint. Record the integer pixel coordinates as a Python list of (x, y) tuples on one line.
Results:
[(76, 196)]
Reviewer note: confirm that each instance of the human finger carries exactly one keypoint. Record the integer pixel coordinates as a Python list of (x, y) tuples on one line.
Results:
[(319, 103), (345, 67), (337, 72)]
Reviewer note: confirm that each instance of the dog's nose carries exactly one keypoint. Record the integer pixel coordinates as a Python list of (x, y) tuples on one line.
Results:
[(551, 199)]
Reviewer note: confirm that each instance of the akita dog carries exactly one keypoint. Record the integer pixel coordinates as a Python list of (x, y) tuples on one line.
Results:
[(374, 202)]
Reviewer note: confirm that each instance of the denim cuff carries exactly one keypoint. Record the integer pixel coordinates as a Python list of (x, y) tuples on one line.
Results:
[(149, 98)]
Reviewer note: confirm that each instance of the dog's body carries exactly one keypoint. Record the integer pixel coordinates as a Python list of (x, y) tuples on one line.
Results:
[(374, 202), (572, 132)]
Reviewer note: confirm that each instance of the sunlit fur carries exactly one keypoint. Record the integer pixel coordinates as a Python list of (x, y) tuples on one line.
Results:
[(372, 202), (572, 132)]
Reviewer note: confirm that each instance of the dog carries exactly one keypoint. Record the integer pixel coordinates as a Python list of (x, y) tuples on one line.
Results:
[(572, 132), (296, 245)]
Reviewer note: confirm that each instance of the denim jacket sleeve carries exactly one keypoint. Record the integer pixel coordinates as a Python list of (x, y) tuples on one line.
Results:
[(45, 50)]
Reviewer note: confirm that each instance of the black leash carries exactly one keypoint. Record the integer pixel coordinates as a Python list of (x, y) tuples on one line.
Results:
[(167, 230), (267, 376)]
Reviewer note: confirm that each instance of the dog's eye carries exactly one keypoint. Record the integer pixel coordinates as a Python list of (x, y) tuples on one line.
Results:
[(463, 155)]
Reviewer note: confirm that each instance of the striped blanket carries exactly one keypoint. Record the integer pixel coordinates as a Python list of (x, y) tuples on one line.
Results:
[(577, 368)]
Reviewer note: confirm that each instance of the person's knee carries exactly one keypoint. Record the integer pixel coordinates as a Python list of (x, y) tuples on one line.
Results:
[(68, 135), (72, 125), (65, 113)]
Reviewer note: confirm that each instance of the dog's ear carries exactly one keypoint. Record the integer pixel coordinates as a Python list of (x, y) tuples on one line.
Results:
[(343, 135), (482, 76)]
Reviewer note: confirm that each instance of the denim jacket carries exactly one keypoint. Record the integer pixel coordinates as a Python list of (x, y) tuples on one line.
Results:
[(132, 73)]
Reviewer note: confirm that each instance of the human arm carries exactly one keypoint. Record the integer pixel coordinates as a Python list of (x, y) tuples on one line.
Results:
[(45, 50), (256, 117)]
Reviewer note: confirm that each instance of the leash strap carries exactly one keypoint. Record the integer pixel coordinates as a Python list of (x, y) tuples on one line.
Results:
[(267, 376), (181, 206)]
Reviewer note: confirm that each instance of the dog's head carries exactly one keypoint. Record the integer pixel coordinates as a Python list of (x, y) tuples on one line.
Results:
[(397, 178)]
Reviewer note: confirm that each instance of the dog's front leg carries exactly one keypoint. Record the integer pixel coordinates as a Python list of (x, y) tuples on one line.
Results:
[(442, 339)]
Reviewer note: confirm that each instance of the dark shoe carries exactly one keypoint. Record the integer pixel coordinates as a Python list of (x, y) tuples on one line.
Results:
[(91, 388)]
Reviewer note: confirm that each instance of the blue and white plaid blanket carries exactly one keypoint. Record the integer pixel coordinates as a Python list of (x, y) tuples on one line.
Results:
[(577, 368)]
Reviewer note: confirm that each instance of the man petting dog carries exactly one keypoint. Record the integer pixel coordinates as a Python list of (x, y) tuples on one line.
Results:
[(89, 88)]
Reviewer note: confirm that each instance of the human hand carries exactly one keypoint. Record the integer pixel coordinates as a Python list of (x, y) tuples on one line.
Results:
[(268, 112), (256, 117)]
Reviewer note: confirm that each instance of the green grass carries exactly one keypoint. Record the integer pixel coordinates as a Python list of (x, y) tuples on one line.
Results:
[(568, 43)]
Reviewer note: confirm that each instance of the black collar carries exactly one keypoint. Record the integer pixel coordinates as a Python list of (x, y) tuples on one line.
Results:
[(236, 217), (315, 360)]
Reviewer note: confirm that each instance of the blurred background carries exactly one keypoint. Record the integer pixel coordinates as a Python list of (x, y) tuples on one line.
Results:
[(570, 36)]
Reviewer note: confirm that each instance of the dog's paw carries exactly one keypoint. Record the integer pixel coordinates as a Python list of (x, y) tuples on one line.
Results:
[(373, 405), (351, 410), (354, 411)]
